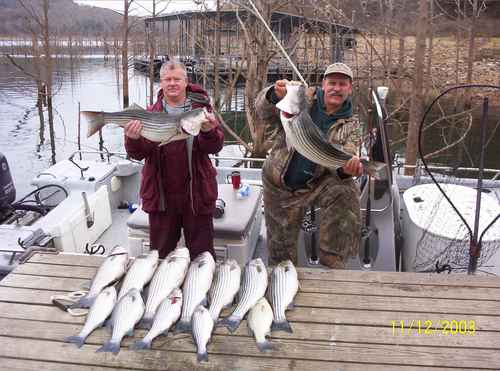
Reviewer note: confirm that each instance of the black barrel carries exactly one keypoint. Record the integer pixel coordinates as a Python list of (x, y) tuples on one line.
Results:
[(7, 190)]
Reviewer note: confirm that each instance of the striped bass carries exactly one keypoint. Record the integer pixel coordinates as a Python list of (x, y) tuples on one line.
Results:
[(253, 288), (169, 276), (305, 137), (111, 270), (284, 286), (202, 331), (140, 273), (127, 312), (259, 321), (224, 287), (157, 126), (198, 280), (99, 311), (167, 314)]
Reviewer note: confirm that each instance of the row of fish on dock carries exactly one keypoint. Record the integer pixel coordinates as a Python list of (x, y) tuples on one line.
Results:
[(207, 288)]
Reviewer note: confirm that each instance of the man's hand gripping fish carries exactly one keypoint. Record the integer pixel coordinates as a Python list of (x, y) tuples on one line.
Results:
[(307, 139)]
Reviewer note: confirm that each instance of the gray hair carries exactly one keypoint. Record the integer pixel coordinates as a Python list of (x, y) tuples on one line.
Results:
[(173, 65)]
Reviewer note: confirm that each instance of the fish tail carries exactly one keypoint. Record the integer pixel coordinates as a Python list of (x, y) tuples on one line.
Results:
[(183, 326), (281, 326), (376, 169), (202, 356), (145, 323), (78, 340), (95, 121), (140, 344), (231, 322), (110, 346), (264, 345), (85, 302)]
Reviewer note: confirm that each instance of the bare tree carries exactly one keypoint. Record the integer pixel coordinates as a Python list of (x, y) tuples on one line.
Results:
[(38, 25), (125, 36), (151, 39), (258, 54), (417, 94)]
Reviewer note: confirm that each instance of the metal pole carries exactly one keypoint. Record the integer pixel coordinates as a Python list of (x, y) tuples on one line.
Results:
[(475, 246)]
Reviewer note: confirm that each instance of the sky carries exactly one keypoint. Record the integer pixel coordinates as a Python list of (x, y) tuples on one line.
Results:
[(144, 7)]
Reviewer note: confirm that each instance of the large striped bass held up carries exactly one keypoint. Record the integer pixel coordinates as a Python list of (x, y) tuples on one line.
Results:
[(305, 137), (225, 286), (284, 286), (99, 311), (157, 126), (169, 276), (127, 312), (111, 270), (195, 288), (252, 289), (167, 314), (140, 273)]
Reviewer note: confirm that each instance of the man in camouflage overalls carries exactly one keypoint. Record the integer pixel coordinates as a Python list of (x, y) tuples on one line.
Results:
[(292, 183)]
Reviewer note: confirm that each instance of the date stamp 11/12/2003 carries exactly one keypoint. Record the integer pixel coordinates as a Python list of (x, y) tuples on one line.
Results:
[(436, 327)]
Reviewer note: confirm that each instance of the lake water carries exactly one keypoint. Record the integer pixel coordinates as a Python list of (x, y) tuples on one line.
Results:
[(91, 82)]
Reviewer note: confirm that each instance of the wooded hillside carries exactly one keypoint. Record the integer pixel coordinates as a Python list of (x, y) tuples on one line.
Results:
[(66, 17)]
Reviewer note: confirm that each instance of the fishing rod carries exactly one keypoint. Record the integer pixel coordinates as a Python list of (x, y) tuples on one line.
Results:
[(294, 67)]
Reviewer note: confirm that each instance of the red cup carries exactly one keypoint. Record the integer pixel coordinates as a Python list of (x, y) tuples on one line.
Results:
[(236, 179)]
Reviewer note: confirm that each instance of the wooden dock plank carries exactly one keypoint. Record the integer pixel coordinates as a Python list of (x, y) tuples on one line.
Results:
[(307, 285), (26, 310), (241, 346), (320, 300), (51, 351), (461, 280), (17, 364), (343, 319), (301, 331)]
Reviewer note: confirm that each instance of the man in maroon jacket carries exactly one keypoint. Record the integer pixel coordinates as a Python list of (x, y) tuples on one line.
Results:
[(178, 187)]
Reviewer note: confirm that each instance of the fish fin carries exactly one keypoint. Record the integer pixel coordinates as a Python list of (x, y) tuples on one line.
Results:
[(265, 345), (291, 306), (376, 169), (85, 302), (204, 301), (110, 346), (288, 145), (231, 322), (145, 323), (140, 344), (108, 324), (202, 357), (281, 326), (183, 326), (78, 340), (134, 106), (95, 121)]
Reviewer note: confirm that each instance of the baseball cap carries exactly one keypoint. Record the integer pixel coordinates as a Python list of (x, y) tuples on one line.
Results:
[(339, 68)]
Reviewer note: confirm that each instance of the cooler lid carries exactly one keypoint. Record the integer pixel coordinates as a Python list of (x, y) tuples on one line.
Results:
[(65, 170), (429, 210)]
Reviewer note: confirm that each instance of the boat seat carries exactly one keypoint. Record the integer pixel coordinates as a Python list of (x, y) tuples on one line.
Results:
[(234, 224)]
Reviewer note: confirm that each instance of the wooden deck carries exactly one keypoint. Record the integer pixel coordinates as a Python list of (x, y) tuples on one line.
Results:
[(343, 320)]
